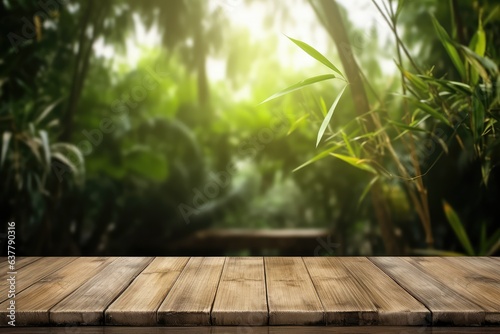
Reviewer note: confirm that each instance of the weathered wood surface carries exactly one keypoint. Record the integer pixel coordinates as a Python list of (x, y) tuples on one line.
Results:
[(292, 297), (241, 296), (447, 306), (200, 291), (36, 301), (86, 305), (190, 299), (137, 305)]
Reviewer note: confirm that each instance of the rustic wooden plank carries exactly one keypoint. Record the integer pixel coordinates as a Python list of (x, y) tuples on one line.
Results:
[(344, 301), (190, 300), (241, 296), (137, 305), (292, 298), (354, 291), (395, 306), (33, 303), (471, 278), (86, 305), (32, 273), (447, 307), (487, 266)]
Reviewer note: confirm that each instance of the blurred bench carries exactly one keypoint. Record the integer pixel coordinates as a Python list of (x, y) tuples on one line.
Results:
[(306, 242)]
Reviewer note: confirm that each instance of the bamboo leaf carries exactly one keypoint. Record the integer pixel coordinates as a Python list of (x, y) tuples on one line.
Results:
[(47, 111), (406, 127), (328, 117), (431, 111), (493, 243), (6, 136), (296, 124), (69, 148), (356, 162), (65, 160), (46, 148), (449, 47), (367, 189), (483, 65), (315, 54), (348, 144), (319, 156), (300, 85), (458, 228), (491, 15)]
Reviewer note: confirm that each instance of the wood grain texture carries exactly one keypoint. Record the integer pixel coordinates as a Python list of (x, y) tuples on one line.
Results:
[(480, 285), (354, 291), (447, 307), (33, 303), (86, 305), (138, 304), (32, 273), (344, 301), (241, 296), (190, 300), (395, 307), (292, 298)]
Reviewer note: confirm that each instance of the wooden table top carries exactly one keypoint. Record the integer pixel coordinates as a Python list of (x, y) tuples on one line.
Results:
[(251, 291)]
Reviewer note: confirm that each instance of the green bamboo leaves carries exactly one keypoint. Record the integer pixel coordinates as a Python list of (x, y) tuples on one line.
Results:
[(322, 59), (488, 246), (328, 117), (449, 47), (300, 85), (316, 55)]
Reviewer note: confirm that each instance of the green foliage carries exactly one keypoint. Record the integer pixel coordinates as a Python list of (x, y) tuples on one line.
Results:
[(487, 246)]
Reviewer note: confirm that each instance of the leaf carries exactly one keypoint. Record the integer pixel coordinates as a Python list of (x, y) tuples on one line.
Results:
[(458, 228), (356, 162), (348, 144), (320, 156), (47, 110), (300, 85), (315, 54), (431, 111), (65, 147), (449, 47), (328, 117), (5, 146), (478, 45), (295, 124), (416, 81), (493, 243), (323, 106), (491, 15), (65, 160), (46, 148), (483, 65), (406, 127), (367, 189)]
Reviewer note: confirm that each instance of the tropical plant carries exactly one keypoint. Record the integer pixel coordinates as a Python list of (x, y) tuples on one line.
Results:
[(404, 146)]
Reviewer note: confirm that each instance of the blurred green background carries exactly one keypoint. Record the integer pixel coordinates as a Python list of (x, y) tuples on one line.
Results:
[(133, 127)]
